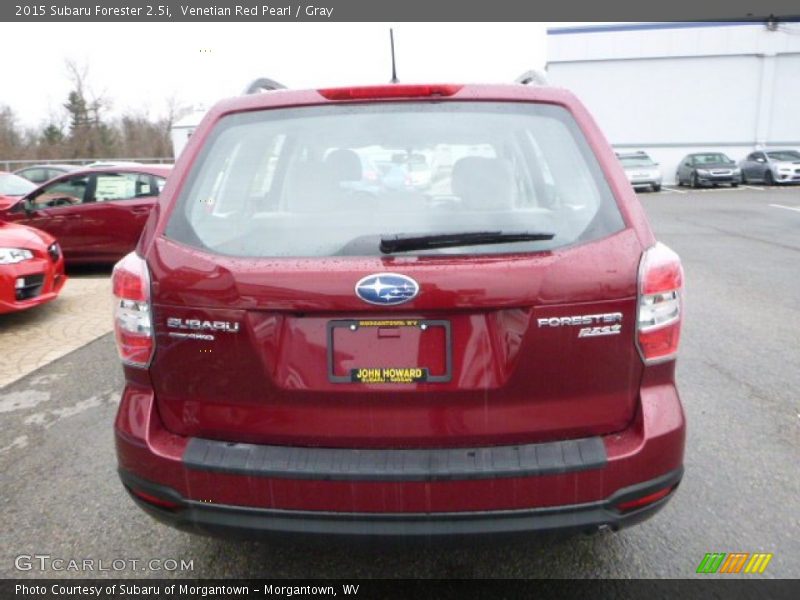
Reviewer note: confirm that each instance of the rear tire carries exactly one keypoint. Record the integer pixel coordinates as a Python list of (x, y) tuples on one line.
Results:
[(695, 181), (678, 180), (768, 178), (744, 178), (656, 187), (734, 184)]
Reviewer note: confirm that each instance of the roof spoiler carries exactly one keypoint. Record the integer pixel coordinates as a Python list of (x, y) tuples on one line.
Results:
[(532, 77), (263, 84)]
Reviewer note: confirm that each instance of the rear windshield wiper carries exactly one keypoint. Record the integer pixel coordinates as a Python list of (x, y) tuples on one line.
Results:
[(416, 241)]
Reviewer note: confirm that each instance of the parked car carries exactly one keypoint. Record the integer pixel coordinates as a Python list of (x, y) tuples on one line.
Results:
[(41, 173), (707, 168), (12, 188), (97, 215), (496, 355), (31, 267), (641, 170), (771, 167)]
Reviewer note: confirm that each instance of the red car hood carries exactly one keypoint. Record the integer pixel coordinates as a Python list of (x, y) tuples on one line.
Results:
[(21, 236)]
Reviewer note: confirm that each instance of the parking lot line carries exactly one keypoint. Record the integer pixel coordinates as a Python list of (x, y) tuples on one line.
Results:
[(794, 208), (672, 189), (752, 187)]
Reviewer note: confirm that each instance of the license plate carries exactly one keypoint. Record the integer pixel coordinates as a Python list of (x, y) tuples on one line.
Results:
[(394, 351)]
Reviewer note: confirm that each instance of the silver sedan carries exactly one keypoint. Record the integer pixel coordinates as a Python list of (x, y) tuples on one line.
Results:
[(771, 167)]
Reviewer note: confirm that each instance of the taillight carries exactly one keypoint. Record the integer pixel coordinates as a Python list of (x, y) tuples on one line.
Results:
[(133, 325), (660, 309), (645, 500), (394, 90), (154, 500)]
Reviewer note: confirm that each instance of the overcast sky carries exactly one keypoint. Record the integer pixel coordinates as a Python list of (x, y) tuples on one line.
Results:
[(138, 66)]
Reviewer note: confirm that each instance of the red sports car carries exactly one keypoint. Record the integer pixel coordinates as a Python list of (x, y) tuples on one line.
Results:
[(31, 267), (96, 214)]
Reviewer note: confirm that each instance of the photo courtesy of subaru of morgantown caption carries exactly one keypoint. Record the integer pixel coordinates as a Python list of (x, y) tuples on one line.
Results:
[(310, 349)]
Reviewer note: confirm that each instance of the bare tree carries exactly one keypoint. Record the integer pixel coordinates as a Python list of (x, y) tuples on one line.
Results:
[(82, 128), (176, 110), (89, 134), (10, 138)]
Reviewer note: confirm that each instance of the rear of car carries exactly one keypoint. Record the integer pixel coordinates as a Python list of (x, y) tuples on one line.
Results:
[(31, 268), (492, 352), (641, 170)]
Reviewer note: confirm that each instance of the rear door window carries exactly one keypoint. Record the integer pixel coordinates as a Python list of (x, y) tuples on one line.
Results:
[(333, 180), (123, 186)]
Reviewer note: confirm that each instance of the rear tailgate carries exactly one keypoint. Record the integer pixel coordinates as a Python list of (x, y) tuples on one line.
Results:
[(517, 349)]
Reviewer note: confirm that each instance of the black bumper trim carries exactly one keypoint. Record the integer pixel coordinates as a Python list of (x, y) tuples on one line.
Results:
[(433, 464), (248, 522)]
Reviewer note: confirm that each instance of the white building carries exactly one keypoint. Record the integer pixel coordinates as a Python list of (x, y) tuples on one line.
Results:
[(674, 88), (183, 129)]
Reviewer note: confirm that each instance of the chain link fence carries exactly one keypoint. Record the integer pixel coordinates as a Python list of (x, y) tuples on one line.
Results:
[(13, 165)]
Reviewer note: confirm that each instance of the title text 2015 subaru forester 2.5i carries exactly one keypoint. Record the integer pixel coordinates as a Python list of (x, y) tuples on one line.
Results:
[(310, 351)]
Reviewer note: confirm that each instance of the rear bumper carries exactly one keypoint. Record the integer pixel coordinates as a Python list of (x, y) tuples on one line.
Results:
[(247, 523), (248, 490)]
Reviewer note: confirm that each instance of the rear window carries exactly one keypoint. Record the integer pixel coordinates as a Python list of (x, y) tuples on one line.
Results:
[(333, 180), (14, 185)]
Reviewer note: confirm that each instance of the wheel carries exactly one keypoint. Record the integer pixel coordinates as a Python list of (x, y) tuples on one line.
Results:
[(678, 180), (734, 184), (656, 187), (768, 178), (695, 181), (744, 178)]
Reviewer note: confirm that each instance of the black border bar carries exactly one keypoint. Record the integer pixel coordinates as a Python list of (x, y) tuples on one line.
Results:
[(391, 10)]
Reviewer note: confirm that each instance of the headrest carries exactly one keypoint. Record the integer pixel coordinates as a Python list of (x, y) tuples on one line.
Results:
[(344, 165), (483, 183)]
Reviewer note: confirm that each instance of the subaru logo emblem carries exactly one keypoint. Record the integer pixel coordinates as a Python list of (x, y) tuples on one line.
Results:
[(386, 289)]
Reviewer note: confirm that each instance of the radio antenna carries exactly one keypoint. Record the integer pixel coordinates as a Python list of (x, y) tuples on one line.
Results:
[(394, 68)]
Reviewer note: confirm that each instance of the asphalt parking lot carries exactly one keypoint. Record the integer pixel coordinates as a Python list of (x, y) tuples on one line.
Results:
[(739, 372)]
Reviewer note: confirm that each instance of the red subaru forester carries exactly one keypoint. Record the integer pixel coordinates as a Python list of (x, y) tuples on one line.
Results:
[(402, 310)]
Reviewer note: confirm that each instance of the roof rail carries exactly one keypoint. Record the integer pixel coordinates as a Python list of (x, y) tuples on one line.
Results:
[(262, 84), (532, 77)]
